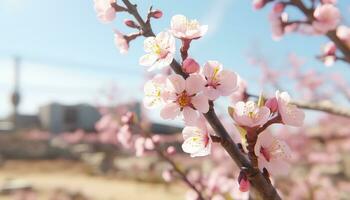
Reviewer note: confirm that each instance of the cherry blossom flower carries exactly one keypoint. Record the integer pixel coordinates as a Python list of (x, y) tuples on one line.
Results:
[(105, 12), (328, 56), (327, 17), (329, 1), (124, 136), (291, 114), (142, 144), (343, 32), (272, 104), (249, 114), (240, 93), (258, 4), (153, 90), (181, 96), (160, 51), (220, 82), (121, 42), (276, 25), (243, 181), (190, 66), (273, 154), (183, 28), (197, 139)]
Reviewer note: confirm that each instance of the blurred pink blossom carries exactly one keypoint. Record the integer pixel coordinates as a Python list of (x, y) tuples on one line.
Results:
[(105, 12), (327, 17)]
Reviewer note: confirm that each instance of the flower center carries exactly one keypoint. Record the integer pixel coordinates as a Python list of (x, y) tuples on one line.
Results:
[(265, 152), (184, 100)]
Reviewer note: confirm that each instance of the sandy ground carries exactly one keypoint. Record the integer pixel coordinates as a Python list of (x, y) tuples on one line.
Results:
[(48, 176)]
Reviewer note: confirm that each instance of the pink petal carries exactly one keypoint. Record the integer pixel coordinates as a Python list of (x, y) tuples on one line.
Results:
[(200, 102), (170, 111), (228, 82), (176, 83), (194, 84), (211, 93), (190, 116)]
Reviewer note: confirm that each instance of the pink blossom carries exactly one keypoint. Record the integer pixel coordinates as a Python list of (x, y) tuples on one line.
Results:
[(183, 28), (244, 185), (272, 104), (258, 4), (278, 8), (328, 51), (160, 51), (105, 12), (121, 42), (220, 82), (167, 175), (142, 144), (153, 90), (124, 136), (273, 154), (276, 26), (343, 32), (171, 150), (291, 114), (249, 114), (190, 66), (329, 1), (327, 17), (181, 96), (240, 93), (156, 14), (197, 139)]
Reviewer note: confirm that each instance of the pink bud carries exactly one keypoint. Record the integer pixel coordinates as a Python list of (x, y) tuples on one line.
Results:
[(156, 14), (190, 66), (278, 7), (272, 104), (130, 23), (330, 48), (243, 181), (167, 175), (171, 150), (258, 4), (156, 139)]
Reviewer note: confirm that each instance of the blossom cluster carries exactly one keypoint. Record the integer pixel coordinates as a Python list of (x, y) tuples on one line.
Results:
[(191, 97), (191, 93), (320, 19)]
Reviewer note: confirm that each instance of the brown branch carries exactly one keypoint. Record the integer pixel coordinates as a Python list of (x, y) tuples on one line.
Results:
[(164, 156), (308, 12), (258, 181), (180, 173), (324, 106)]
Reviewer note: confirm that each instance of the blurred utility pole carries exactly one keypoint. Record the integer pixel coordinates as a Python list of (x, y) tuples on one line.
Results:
[(15, 97)]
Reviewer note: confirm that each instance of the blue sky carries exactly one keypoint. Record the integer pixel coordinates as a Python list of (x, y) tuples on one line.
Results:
[(68, 56)]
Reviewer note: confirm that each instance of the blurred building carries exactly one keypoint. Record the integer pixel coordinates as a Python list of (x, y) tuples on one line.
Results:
[(57, 118)]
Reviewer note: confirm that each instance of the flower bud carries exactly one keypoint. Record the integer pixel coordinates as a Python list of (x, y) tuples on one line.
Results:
[(190, 66), (167, 175), (272, 104), (278, 7), (243, 181), (171, 150), (156, 14), (258, 4), (330, 48), (130, 23)]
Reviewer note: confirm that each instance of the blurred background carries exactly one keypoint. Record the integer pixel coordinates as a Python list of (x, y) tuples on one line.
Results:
[(62, 78)]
